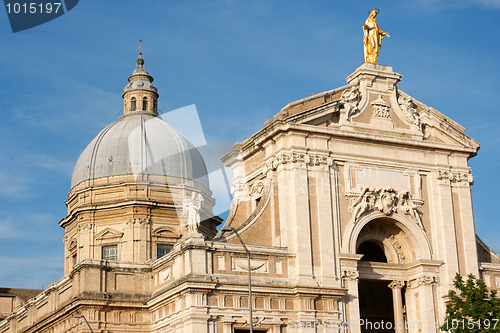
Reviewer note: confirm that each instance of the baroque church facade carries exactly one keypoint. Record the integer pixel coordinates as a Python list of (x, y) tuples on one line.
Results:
[(354, 204)]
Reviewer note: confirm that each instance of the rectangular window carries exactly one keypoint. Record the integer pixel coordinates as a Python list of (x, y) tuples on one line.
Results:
[(162, 249), (73, 259), (109, 252)]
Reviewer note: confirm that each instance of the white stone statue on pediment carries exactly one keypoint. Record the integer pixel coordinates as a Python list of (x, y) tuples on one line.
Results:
[(191, 206), (350, 98), (410, 109)]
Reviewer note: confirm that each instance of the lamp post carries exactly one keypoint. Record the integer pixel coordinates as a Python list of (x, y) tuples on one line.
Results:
[(82, 316), (228, 228)]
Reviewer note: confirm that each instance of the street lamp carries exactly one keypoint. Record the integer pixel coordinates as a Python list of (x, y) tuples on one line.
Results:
[(82, 316), (228, 228)]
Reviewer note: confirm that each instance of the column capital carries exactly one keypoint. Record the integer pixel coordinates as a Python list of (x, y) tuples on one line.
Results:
[(396, 284), (427, 280), (353, 275), (397, 301)]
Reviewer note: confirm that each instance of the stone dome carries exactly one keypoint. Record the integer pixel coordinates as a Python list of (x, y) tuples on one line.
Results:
[(140, 144)]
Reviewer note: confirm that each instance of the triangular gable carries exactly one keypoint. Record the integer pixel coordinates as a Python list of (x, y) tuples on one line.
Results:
[(108, 233)]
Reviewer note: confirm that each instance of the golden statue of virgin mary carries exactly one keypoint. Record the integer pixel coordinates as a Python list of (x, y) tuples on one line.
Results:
[(372, 37)]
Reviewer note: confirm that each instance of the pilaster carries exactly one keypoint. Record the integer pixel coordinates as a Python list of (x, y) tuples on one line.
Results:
[(294, 214), (350, 279), (443, 228), (466, 218)]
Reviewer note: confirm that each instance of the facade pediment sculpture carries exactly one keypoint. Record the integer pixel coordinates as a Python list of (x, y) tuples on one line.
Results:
[(410, 109), (350, 99), (381, 108), (257, 189), (388, 201)]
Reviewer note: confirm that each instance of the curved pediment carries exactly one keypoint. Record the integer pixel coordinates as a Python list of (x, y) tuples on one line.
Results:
[(166, 232)]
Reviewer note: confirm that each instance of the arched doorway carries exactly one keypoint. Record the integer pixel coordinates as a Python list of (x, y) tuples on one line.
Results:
[(386, 260), (385, 248)]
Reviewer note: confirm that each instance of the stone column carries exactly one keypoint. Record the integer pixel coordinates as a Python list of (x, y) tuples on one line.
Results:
[(397, 300)]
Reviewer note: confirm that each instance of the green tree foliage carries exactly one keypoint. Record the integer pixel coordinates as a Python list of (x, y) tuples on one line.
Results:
[(472, 307)]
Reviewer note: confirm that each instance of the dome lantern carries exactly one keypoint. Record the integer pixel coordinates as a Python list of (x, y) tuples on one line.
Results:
[(140, 95)]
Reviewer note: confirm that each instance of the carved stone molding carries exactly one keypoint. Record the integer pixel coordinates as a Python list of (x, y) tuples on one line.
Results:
[(398, 248), (381, 108), (353, 275), (388, 201), (164, 275), (350, 99), (427, 280), (396, 284), (256, 265), (457, 177), (257, 189), (238, 187), (297, 158)]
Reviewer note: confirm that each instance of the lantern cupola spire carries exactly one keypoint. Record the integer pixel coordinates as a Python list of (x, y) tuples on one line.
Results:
[(140, 95)]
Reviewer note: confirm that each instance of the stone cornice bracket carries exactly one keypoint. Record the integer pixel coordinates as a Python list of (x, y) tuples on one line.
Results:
[(396, 284)]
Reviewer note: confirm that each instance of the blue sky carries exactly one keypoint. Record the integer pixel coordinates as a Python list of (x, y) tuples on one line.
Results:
[(239, 62)]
